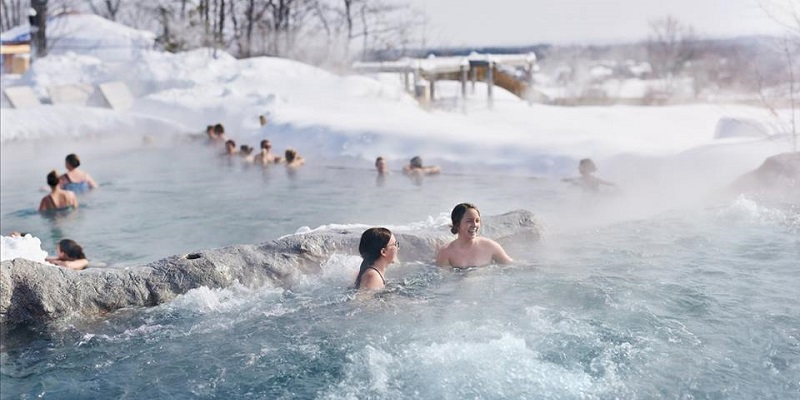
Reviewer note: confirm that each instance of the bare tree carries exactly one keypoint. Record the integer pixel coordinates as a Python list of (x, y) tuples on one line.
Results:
[(106, 8), (670, 46)]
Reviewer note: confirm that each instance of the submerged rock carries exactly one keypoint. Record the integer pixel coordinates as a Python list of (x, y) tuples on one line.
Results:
[(31, 291), (778, 178)]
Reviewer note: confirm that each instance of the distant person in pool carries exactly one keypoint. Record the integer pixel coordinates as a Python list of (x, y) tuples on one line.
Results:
[(378, 248), (587, 181), (380, 166), (58, 199), (69, 255), (266, 156), (230, 148), (247, 153), (293, 160), (219, 132), (416, 169), (76, 180), (469, 249)]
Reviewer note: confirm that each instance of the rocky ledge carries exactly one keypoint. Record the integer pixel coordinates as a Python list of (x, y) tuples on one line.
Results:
[(32, 292)]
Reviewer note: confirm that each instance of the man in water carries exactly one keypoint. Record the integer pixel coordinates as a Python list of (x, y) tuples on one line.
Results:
[(469, 249), (415, 168), (587, 181)]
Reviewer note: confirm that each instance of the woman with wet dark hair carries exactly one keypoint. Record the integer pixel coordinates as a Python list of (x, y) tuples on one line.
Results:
[(70, 255), (378, 248), (76, 180), (58, 199), (469, 249)]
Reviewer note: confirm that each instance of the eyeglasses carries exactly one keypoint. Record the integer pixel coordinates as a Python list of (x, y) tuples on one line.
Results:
[(395, 244)]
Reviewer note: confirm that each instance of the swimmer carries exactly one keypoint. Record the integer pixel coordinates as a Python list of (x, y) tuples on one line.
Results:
[(70, 255), (293, 160), (587, 181), (266, 156), (230, 148), (76, 180), (219, 132), (469, 249), (415, 168), (380, 166), (58, 199), (246, 152), (378, 248)]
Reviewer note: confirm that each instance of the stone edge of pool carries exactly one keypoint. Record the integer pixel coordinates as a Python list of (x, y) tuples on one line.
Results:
[(32, 292)]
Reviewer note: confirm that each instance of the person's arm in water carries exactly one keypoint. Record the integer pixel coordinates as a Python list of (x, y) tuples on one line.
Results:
[(72, 200), (499, 255), (92, 183), (71, 264), (433, 170)]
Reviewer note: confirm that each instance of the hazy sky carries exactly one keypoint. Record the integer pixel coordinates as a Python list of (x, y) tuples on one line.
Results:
[(516, 22)]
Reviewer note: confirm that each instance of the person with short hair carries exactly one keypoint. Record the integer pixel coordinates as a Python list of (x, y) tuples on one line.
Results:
[(230, 148), (293, 159), (219, 132), (246, 152), (469, 249), (69, 255), (58, 199), (76, 180), (416, 169), (378, 248), (587, 181), (380, 166), (266, 156)]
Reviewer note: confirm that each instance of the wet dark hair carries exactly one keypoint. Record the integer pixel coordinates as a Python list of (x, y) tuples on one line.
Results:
[(210, 128), (230, 142), (458, 213), (73, 160), (73, 250), (219, 129), (373, 240), (265, 144), (246, 149), (416, 162), (52, 178), (290, 155)]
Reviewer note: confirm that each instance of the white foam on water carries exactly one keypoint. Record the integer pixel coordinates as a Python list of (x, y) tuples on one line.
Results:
[(28, 247)]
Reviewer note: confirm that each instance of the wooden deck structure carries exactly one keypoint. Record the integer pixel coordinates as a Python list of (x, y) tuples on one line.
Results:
[(471, 68)]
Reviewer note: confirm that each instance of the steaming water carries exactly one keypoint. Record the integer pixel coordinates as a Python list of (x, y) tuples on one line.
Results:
[(697, 302)]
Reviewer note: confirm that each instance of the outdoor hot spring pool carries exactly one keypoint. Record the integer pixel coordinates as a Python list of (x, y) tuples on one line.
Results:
[(691, 302)]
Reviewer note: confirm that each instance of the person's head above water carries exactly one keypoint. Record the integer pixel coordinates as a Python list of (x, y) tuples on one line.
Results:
[(245, 149), (72, 250), (376, 250), (373, 241), (457, 216), (219, 130), (290, 155), (586, 166), (72, 161), (416, 162), (266, 145), (380, 165), (52, 179)]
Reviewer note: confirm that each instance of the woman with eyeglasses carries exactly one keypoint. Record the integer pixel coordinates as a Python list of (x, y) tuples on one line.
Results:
[(378, 248), (469, 249)]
